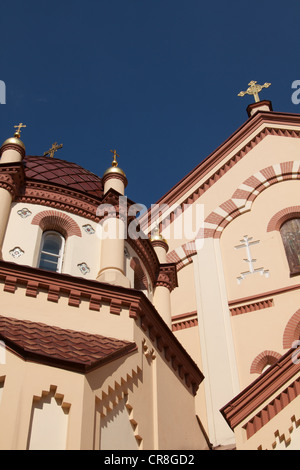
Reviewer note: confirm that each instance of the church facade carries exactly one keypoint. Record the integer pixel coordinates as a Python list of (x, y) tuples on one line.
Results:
[(182, 334)]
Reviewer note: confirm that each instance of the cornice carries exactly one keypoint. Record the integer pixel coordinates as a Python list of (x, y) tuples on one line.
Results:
[(140, 309), (13, 146), (77, 203)]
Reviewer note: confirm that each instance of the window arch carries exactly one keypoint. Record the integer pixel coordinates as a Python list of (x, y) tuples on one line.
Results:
[(290, 233), (51, 251)]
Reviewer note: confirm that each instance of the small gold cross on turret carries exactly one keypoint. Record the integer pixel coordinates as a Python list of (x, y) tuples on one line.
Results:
[(53, 149), (114, 162), (254, 89), (18, 127)]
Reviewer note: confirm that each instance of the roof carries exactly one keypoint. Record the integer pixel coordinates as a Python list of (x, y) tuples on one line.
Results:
[(60, 347), (63, 173)]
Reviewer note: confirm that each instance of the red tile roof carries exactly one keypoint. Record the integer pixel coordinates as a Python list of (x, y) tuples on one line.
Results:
[(63, 173), (59, 347)]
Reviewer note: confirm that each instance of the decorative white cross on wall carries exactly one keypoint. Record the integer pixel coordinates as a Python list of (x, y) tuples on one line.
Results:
[(247, 243)]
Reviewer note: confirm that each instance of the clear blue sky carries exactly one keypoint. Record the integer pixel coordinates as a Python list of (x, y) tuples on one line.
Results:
[(157, 79)]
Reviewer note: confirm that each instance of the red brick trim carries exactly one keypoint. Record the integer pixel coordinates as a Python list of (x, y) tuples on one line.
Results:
[(259, 392), (283, 216), (262, 360), (292, 330), (79, 290), (187, 251), (53, 220)]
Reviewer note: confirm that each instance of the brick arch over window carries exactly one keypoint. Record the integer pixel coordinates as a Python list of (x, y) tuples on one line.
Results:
[(262, 360), (242, 199), (57, 221), (292, 331), (283, 216)]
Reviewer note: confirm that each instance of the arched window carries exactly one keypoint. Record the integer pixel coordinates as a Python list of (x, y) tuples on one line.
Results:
[(290, 232), (51, 253)]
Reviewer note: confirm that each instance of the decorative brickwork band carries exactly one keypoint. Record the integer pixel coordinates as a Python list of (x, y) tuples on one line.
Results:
[(262, 360), (53, 220), (167, 276)]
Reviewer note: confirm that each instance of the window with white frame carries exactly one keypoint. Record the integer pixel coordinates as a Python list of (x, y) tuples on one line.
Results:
[(51, 253)]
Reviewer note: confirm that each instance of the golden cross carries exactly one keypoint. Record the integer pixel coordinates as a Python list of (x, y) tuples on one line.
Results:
[(254, 89), (18, 127), (53, 149), (114, 162)]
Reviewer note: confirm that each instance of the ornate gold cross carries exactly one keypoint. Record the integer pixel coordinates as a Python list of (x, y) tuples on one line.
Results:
[(114, 162), (53, 149), (254, 89), (18, 127)]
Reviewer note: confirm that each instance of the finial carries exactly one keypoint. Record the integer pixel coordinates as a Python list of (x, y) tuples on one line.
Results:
[(18, 131), (114, 162), (254, 89), (53, 149)]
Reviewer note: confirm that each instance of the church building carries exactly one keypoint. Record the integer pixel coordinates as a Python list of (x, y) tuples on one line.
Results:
[(176, 329)]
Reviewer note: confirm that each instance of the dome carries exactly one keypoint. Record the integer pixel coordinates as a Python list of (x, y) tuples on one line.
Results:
[(63, 173)]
